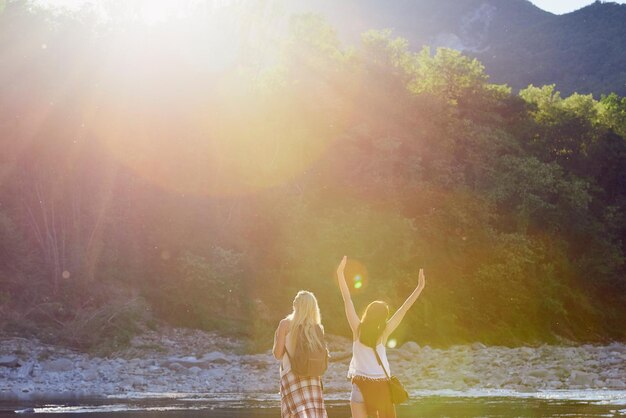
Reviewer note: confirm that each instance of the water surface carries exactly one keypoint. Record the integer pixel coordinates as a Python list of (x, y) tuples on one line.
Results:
[(425, 404)]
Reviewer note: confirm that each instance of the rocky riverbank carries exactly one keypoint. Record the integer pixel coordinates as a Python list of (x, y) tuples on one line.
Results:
[(188, 361)]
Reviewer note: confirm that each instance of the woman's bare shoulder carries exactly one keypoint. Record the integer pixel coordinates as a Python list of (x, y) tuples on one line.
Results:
[(284, 323)]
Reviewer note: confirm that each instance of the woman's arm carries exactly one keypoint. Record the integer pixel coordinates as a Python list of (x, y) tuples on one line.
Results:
[(397, 317), (279, 339), (353, 318)]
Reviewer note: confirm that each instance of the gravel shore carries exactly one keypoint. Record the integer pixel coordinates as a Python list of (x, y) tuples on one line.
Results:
[(191, 361)]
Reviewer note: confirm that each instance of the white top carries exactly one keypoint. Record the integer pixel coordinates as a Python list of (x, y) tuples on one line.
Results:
[(285, 363), (364, 361)]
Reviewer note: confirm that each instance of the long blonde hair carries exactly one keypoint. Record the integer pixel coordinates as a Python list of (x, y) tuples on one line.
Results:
[(306, 313)]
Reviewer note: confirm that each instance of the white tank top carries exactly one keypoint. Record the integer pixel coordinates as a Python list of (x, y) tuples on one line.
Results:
[(364, 361)]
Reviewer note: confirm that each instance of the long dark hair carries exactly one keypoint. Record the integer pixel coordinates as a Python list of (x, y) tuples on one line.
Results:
[(373, 323)]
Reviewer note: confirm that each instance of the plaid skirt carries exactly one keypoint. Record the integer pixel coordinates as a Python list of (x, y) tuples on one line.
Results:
[(301, 397)]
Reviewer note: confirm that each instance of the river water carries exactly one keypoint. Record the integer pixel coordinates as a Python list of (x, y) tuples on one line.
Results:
[(433, 404)]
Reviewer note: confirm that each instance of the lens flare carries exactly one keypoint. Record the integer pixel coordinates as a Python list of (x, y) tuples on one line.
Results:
[(392, 343), (356, 273), (358, 281)]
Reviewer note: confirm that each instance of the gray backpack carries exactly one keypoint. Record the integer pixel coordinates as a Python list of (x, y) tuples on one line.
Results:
[(307, 362)]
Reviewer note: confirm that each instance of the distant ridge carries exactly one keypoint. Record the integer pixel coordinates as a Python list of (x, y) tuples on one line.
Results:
[(519, 43)]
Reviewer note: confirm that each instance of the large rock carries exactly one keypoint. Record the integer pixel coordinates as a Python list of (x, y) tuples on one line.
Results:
[(188, 361), (471, 379), (177, 367), (215, 373), (216, 357), (26, 370), (616, 384), (411, 346), (59, 365), (540, 373), (613, 361), (581, 378), (9, 361), (340, 356), (405, 355), (90, 375)]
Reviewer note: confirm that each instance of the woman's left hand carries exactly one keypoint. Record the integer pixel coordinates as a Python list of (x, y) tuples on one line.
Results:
[(421, 281)]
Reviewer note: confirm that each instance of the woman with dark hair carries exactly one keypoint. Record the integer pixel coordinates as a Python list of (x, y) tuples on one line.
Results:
[(370, 387)]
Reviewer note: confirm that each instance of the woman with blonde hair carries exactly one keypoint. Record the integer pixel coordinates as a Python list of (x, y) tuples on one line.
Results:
[(369, 367), (300, 395)]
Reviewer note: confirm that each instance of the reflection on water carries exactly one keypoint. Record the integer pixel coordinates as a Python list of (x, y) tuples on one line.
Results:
[(586, 404)]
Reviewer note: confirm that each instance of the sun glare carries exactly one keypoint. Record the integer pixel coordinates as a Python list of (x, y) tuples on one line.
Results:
[(173, 82), (174, 79)]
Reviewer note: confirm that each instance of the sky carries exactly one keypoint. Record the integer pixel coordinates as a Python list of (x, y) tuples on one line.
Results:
[(564, 6), (554, 6)]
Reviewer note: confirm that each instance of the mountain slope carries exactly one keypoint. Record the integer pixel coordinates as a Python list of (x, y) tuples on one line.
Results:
[(520, 44), (582, 51)]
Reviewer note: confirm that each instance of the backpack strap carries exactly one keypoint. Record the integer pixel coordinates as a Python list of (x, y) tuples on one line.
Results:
[(287, 352)]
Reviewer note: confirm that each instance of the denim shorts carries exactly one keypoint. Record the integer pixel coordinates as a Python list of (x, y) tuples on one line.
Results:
[(356, 395)]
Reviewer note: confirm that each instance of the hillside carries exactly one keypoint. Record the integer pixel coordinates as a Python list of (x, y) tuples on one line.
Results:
[(141, 183), (520, 44)]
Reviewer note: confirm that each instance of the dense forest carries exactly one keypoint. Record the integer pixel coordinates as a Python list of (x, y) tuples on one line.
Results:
[(182, 173)]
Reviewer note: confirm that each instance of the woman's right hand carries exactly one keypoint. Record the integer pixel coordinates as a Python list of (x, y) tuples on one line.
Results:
[(397, 317), (342, 265)]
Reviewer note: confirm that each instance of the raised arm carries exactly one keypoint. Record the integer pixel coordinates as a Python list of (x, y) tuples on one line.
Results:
[(397, 317), (353, 318)]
